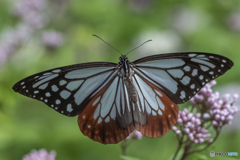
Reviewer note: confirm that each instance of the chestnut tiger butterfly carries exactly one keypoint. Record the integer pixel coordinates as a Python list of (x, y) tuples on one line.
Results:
[(111, 100)]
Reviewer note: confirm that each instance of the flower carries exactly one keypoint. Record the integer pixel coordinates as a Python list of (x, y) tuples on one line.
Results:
[(191, 126), (208, 109), (135, 135), (33, 20), (42, 154), (52, 38), (219, 110)]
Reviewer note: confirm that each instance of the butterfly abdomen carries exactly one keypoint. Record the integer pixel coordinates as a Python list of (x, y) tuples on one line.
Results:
[(132, 92)]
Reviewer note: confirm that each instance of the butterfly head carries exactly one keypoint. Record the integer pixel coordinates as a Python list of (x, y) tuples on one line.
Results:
[(123, 58)]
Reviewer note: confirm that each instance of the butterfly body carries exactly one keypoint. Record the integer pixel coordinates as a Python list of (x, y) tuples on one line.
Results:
[(112, 99)]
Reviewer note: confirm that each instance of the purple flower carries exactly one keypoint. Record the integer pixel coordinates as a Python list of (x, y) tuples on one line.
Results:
[(219, 110), (42, 154), (52, 39), (32, 12), (135, 135), (191, 126), (234, 21), (209, 110), (33, 20)]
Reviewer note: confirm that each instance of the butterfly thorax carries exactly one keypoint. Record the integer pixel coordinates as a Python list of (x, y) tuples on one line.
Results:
[(126, 71)]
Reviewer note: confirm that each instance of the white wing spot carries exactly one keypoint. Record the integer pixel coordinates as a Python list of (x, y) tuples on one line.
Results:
[(197, 89), (56, 107), (58, 101), (192, 86), (159, 112), (201, 77), (24, 87), (154, 113), (203, 83), (204, 68), (194, 72), (36, 77), (84, 117), (36, 92), (222, 65), (47, 94), (65, 94), (219, 70), (169, 115), (201, 56), (62, 82), (99, 120), (52, 105), (96, 101), (26, 90), (211, 57), (183, 95), (177, 73), (54, 88), (22, 83), (56, 70), (34, 96), (185, 80), (107, 119), (203, 62), (206, 80), (41, 98), (113, 112), (187, 68), (160, 94), (192, 55), (172, 105), (62, 112), (97, 111), (89, 126), (74, 85), (211, 73), (224, 61), (48, 73), (69, 108), (44, 86), (45, 100)]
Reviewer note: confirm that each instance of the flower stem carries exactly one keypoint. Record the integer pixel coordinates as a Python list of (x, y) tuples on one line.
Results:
[(179, 147)]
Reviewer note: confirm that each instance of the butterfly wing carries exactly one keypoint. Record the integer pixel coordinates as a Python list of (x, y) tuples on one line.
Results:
[(165, 80), (181, 75), (154, 113), (67, 89), (91, 90), (108, 117)]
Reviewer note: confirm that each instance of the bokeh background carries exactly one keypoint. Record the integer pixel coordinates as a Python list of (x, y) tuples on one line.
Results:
[(36, 35)]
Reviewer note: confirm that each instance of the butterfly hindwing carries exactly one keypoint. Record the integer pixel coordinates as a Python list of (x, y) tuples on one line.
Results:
[(107, 118), (67, 89), (181, 75), (154, 113)]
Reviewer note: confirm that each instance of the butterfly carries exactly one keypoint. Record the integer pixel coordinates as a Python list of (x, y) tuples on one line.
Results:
[(111, 100)]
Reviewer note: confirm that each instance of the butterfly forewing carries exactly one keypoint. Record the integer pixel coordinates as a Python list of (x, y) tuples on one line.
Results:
[(181, 75), (67, 89)]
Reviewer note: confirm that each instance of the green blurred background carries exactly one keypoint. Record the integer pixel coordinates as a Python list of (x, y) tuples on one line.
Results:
[(59, 33)]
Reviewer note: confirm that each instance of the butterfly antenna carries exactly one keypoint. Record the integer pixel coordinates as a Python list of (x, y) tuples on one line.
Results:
[(139, 46), (107, 44)]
